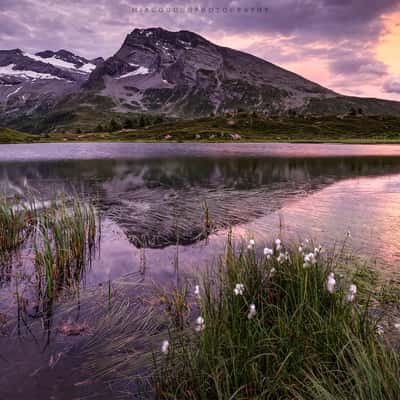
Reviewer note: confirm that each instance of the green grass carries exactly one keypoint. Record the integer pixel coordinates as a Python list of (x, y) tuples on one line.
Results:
[(258, 128), (8, 136), (251, 127), (16, 225), (303, 343), (63, 236), (64, 246)]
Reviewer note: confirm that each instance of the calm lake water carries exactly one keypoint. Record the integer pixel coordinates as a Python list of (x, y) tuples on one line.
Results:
[(152, 199)]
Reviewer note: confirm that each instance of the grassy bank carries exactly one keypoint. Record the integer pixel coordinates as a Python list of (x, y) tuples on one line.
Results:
[(241, 127), (8, 136), (284, 325)]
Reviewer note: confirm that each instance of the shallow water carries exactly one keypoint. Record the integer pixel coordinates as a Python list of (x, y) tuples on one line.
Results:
[(152, 199)]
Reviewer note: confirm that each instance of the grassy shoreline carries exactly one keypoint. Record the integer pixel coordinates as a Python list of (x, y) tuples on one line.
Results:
[(30, 140), (285, 325), (238, 128)]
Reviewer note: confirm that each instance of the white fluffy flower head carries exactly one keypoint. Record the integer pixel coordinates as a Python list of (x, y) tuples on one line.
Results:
[(282, 257), (200, 324), (331, 282), (351, 293), (309, 259), (252, 311), (268, 251), (165, 347), (239, 289)]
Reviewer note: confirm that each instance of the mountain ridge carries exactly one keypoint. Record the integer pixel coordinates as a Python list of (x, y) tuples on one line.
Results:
[(180, 65), (159, 72)]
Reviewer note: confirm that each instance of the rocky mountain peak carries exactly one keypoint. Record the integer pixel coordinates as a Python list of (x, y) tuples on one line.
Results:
[(159, 70), (11, 51), (178, 74), (166, 57), (153, 35), (32, 82)]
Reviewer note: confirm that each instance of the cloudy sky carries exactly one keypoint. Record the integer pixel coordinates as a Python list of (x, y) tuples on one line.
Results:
[(351, 46)]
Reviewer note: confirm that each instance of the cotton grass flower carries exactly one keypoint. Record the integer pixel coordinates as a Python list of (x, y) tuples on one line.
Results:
[(379, 330), (282, 257), (197, 291), (318, 250), (251, 244), (200, 324), (278, 244), (272, 272), (268, 252), (331, 282), (239, 289), (165, 347), (351, 293), (252, 311), (309, 259)]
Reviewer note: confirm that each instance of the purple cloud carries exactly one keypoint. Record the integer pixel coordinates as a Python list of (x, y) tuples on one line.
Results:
[(392, 85), (310, 20), (341, 33), (365, 66)]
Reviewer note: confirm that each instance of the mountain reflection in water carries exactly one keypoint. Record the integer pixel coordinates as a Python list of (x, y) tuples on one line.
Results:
[(157, 200)]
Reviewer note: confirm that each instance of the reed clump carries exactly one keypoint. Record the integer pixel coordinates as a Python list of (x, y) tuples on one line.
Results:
[(64, 246), (16, 225), (282, 325)]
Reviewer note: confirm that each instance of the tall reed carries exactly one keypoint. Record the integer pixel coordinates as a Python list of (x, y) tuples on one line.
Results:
[(64, 246), (16, 224)]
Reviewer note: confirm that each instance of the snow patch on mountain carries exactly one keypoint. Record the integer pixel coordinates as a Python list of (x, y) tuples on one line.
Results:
[(140, 71), (186, 45), (88, 68), (10, 70), (14, 92), (58, 62)]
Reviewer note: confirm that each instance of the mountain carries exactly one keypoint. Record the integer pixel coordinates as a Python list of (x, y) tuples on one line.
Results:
[(179, 74), (34, 83)]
